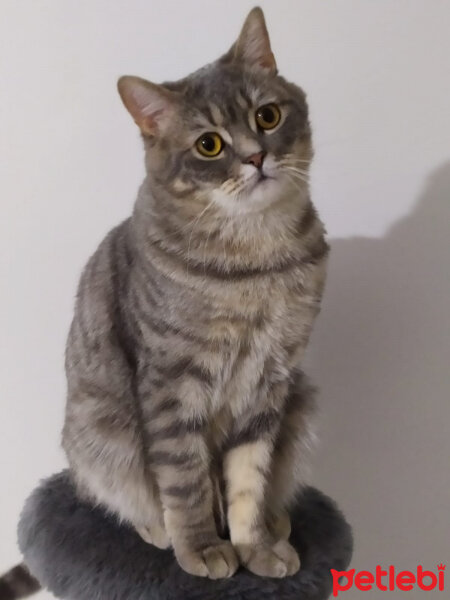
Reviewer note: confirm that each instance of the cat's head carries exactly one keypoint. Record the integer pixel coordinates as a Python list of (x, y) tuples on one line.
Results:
[(234, 133)]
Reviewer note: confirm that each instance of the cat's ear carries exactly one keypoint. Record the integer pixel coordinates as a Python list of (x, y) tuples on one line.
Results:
[(152, 106), (253, 44)]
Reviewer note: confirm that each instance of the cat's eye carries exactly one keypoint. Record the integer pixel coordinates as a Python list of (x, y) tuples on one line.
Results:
[(209, 145), (268, 116)]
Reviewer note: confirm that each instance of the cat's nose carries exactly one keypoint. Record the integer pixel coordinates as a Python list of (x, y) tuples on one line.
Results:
[(255, 159)]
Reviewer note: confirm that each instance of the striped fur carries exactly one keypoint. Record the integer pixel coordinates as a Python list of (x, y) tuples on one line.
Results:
[(187, 413)]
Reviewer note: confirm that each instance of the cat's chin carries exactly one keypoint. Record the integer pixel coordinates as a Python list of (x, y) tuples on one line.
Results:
[(259, 196)]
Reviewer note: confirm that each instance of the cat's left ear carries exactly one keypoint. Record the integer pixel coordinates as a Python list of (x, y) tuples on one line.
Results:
[(253, 44)]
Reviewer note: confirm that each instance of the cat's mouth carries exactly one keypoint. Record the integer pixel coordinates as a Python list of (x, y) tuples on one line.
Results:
[(260, 178)]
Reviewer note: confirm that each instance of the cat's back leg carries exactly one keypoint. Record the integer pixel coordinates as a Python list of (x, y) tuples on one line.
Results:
[(103, 434), (104, 448)]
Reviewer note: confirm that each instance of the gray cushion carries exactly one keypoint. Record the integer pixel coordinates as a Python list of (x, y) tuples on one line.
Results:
[(81, 553)]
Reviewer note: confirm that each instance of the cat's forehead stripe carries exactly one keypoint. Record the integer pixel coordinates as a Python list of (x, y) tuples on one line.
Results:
[(245, 97), (241, 101), (203, 120), (219, 114), (216, 114)]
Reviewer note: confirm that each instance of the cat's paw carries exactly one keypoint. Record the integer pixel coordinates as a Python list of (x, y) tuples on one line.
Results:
[(217, 561), (269, 560), (279, 525), (155, 534)]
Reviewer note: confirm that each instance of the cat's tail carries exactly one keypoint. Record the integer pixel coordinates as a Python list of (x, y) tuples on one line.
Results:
[(18, 583)]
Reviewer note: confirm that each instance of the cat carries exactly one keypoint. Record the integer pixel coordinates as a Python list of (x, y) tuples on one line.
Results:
[(188, 414)]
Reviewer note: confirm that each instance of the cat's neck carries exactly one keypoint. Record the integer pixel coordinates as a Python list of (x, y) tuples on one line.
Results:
[(252, 240)]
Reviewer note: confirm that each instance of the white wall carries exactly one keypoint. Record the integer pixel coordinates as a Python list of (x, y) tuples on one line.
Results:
[(377, 75)]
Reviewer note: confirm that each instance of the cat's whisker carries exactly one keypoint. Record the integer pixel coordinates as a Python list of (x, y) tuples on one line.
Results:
[(228, 220), (293, 158), (178, 229), (300, 180), (293, 166), (294, 161), (204, 251), (296, 173), (196, 222), (297, 170), (238, 191), (295, 184), (295, 181), (237, 184)]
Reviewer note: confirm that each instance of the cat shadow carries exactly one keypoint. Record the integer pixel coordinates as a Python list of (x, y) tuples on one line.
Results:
[(380, 354)]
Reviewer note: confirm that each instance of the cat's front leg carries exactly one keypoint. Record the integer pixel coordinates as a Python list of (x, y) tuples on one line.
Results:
[(247, 471), (179, 457), (279, 523)]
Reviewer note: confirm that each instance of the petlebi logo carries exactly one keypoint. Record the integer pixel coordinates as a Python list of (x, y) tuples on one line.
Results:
[(389, 580)]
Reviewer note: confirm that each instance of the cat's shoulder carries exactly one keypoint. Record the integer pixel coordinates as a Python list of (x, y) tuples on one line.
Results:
[(112, 257)]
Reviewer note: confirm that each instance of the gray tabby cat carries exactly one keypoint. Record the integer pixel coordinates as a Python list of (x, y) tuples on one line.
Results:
[(187, 412), (186, 409)]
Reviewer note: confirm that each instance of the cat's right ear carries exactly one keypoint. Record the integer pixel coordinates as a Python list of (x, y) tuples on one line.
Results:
[(152, 106)]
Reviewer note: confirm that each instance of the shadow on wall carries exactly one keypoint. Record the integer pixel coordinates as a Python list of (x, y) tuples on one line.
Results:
[(381, 355)]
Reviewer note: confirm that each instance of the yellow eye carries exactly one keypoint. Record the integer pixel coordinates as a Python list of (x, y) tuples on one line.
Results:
[(209, 144), (268, 116)]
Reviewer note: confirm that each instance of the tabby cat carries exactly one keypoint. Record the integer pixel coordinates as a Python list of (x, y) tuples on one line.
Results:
[(188, 415)]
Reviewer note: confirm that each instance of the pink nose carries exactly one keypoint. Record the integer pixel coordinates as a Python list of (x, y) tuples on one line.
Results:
[(255, 159)]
